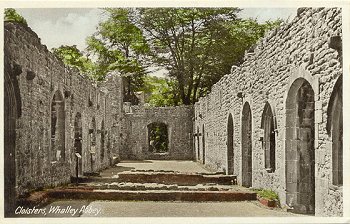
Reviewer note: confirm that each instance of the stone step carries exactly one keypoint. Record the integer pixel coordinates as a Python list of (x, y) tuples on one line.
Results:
[(176, 178), (163, 178), (150, 195), (157, 186)]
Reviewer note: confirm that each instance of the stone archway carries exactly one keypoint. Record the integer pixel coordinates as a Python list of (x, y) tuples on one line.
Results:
[(335, 130), (203, 144), (300, 151), (12, 111), (230, 152), (78, 135), (102, 152), (158, 138), (246, 146), (92, 141), (269, 144), (198, 148), (57, 127)]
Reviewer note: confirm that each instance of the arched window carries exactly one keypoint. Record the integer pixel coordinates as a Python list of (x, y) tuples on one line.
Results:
[(57, 127), (335, 129), (269, 143), (102, 155), (158, 139)]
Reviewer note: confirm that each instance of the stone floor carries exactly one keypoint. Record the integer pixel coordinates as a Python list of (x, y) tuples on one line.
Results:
[(156, 165), (78, 207)]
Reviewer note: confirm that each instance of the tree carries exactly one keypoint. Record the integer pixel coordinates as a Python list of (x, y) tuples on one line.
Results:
[(120, 45), (160, 92), (197, 45), (71, 56), (12, 16)]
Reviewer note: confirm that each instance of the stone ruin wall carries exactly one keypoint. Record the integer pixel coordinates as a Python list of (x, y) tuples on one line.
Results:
[(39, 75), (301, 48), (135, 132)]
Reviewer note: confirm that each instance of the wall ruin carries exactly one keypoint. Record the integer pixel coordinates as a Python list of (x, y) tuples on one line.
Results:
[(49, 93), (135, 134), (294, 69)]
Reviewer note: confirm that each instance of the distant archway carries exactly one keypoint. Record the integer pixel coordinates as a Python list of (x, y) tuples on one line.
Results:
[(246, 146), (158, 139), (300, 151), (57, 127), (230, 152), (78, 137)]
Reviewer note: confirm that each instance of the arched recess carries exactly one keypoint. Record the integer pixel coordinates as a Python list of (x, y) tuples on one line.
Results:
[(335, 130), (230, 152), (78, 137), (268, 124), (102, 152), (300, 150), (57, 127), (92, 138), (12, 112), (198, 148), (158, 138), (246, 146), (203, 144)]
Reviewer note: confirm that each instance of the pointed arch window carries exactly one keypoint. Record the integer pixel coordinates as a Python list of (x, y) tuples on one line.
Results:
[(269, 140)]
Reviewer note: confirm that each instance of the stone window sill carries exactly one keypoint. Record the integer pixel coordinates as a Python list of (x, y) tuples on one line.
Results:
[(56, 162), (160, 153), (269, 170), (336, 187)]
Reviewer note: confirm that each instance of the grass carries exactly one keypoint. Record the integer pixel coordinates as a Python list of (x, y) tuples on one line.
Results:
[(267, 193)]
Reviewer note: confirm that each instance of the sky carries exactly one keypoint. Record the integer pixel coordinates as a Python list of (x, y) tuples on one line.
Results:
[(58, 26)]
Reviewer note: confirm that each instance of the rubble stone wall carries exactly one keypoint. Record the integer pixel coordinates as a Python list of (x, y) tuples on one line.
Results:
[(308, 48), (40, 75)]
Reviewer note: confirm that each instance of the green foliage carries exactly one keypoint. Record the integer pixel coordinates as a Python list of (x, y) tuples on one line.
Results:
[(12, 16), (268, 194), (71, 56), (160, 92), (158, 137), (198, 45), (120, 45)]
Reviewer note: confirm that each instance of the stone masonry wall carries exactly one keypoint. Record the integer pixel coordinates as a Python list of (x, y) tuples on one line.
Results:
[(135, 132), (304, 49), (40, 75)]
